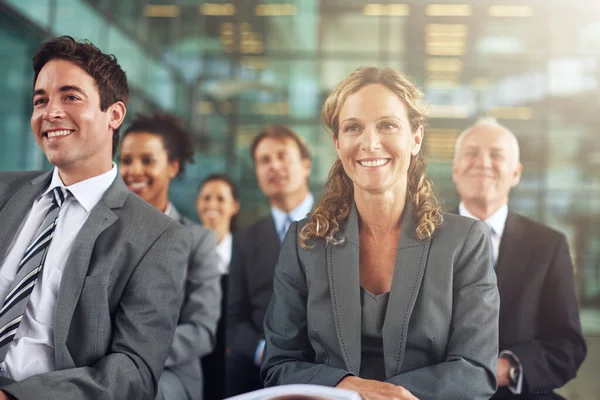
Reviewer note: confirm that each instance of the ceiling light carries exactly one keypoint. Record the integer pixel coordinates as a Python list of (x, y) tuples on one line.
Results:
[(510, 11), (448, 10), (215, 9), (157, 11), (272, 10)]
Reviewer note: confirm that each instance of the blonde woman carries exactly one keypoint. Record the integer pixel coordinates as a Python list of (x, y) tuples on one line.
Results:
[(378, 291)]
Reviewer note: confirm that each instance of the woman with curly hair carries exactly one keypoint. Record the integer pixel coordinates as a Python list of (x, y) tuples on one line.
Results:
[(378, 290), (155, 149)]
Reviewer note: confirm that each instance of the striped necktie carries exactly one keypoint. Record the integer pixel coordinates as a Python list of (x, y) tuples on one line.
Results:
[(28, 271)]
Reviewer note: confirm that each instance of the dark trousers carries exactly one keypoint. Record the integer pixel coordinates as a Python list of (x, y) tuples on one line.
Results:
[(242, 375), (213, 364)]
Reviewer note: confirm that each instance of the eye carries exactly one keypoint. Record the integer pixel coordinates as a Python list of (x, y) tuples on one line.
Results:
[(125, 160), (351, 128), (387, 126), (147, 160), (39, 101), (71, 97)]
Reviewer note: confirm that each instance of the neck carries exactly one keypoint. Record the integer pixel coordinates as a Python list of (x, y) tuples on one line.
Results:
[(71, 176), (380, 214), (161, 203), (288, 202), (481, 209), (221, 232)]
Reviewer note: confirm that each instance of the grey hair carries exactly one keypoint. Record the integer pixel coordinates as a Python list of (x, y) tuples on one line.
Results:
[(491, 122)]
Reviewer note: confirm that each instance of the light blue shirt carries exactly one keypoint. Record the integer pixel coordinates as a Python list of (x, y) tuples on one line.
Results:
[(283, 219)]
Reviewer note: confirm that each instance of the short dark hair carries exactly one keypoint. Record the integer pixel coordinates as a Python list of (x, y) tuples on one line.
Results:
[(177, 140), (235, 192), (110, 79), (280, 132)]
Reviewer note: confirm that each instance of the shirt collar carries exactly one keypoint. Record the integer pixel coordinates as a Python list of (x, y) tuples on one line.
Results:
[(168, 209), (87, 192), (296, 214), (496, 221)]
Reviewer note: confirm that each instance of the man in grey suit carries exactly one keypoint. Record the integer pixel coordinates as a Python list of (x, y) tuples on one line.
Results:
[(98, 308)]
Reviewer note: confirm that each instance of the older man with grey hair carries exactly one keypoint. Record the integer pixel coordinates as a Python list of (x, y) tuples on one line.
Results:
[(541, 344)]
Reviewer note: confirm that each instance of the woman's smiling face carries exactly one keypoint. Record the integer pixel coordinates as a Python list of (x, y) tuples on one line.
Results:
[(375, 141)]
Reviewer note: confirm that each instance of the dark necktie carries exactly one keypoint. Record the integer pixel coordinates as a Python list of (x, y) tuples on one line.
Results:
[(28, 272)]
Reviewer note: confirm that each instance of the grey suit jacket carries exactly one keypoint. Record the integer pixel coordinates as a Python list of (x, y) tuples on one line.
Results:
[(195, 335), (118, 300), (440, 336)]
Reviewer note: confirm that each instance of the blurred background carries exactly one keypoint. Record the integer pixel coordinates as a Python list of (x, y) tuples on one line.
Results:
[(228, 68)]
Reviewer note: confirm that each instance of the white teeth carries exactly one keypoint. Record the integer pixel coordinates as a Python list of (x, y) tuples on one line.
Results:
[(377, 163), (212, 213), (137, 185), (59, 133)]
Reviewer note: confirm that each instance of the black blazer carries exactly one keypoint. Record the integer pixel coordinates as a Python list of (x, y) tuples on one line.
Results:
[(539, 315), (254, 254)]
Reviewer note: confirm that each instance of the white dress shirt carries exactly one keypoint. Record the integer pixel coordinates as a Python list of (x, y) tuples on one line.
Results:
[(32, 350), (224, 252), (497, 222)]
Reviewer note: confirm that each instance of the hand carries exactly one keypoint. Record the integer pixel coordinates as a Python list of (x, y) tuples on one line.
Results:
[(375, 390), (503, 370), (3, 396)]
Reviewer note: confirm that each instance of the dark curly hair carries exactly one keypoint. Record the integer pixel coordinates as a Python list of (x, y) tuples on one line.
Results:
[(110, 78), (177, 140)]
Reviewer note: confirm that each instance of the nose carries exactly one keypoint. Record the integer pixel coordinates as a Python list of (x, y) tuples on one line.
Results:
[(276, 164), (212, 202), (53, 111), (135, 168), (484, 160), (370, 140)]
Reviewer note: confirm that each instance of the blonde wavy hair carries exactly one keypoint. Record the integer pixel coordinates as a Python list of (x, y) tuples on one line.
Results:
[(333, 209)]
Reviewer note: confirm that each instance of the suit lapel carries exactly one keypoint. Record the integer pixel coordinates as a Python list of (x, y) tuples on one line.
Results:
[(409, 269), (101, 217), (511, 252), (272, 243), (344, 284), (17, 209)]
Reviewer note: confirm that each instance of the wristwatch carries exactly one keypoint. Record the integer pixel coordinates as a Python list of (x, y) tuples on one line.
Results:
[(513, 374)]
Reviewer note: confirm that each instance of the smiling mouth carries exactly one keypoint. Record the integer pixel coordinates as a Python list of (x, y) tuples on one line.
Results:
[(56, 134), (137, 186), (374, 163), (211, 213)]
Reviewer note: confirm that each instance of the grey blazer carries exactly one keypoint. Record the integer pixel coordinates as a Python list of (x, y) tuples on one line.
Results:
[(195, 335), (440, 335), (118, 300)]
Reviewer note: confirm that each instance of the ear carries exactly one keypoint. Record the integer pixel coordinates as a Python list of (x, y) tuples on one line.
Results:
[(417, 141), (517, 175), (117, 113), (173, 168), (307, 164), (454, 170), (236, 207), (336, 142)]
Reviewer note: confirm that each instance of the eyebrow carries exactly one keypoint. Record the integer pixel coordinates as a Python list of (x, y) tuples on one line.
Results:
[(352, 119), (66, 88)]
